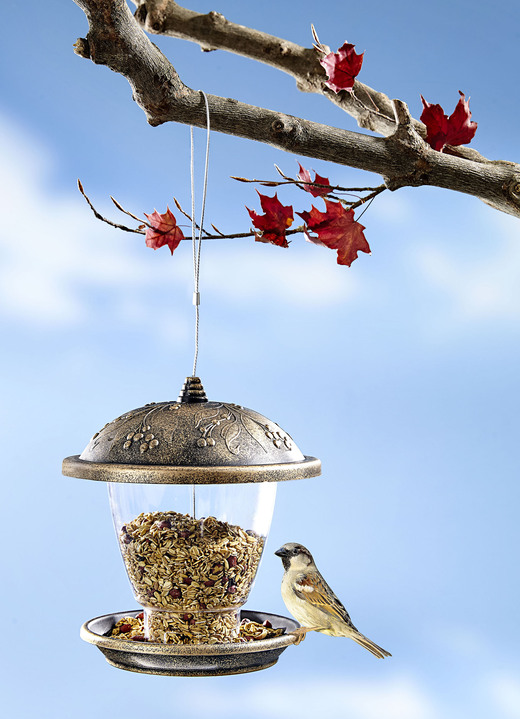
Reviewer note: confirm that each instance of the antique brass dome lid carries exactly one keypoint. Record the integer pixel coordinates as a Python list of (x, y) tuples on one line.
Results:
[(191, 441)]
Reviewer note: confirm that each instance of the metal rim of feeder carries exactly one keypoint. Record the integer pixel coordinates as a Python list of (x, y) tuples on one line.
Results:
[(191, 441), (190, 660)]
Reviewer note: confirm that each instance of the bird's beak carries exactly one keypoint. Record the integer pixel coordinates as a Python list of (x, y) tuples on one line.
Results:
[(282, 552)]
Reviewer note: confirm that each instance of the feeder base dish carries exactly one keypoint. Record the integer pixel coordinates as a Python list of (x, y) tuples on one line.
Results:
[(189, 660)]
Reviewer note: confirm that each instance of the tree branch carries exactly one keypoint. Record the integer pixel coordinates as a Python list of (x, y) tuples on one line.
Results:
[(371, 109), (403, 158), (213, 31)]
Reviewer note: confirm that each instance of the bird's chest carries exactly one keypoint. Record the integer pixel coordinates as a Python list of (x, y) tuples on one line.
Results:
[(301, 609)]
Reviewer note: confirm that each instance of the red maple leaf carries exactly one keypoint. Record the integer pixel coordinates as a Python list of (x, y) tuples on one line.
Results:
[(274, 223), (305, 176), (342, 67), (163, 231), (336, 229), (441, 130)]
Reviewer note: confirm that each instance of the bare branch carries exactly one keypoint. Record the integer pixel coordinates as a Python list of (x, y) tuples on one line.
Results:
[(219, 236), (317, 45), (178, 206), (280, 172), (122, 209), (99, 216), (299, 183), (365, 200), (370, 201)]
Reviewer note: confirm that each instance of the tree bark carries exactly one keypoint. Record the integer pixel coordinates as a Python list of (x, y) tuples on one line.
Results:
[(402, 157)]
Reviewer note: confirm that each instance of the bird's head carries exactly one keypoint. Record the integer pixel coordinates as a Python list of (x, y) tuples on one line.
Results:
[(295, 556)]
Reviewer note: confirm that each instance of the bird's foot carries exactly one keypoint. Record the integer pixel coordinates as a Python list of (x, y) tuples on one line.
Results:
[(300, 634)]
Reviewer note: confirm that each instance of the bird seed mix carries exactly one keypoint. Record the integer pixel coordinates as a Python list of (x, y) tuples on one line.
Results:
[(191, 575), (132, 628)]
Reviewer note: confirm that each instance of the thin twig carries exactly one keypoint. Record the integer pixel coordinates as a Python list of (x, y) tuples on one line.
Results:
[(178, 206), (280, 172), (366, 208), (122, 209), (238, 235), (290, 181), (349, 203), (368, 199), (219, 236), (374, 111), (362, 200), (317, 45), (104, 219), (217, 230)]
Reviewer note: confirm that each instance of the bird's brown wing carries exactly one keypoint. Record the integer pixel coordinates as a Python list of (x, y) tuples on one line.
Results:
[(315, 590)]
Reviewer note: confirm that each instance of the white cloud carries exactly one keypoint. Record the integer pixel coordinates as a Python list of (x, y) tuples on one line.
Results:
[(393, 208), (505, 691), (477, 288), (460, 642), (307, 278), (335, 698), (53, 250)]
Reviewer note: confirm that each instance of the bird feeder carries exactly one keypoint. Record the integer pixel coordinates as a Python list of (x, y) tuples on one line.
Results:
[(192, 487)]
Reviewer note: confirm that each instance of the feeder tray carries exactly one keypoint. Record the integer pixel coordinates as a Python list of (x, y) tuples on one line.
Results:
[(189, 660)]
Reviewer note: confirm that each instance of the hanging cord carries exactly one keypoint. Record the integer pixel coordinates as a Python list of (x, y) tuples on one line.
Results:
[(197, 246)]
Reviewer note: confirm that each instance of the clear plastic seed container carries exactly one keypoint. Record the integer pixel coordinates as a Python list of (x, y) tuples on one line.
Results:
[(192, 553)]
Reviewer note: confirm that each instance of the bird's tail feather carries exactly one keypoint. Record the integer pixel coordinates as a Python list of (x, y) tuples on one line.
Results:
[(372, 647)]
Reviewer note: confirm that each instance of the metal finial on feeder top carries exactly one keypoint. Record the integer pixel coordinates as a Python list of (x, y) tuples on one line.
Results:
[(192, 392)]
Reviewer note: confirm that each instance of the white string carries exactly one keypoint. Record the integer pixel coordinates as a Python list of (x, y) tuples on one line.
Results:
[(197, 247)]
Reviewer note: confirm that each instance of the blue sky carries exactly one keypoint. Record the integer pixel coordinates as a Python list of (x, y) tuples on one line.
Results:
[(401, 373)]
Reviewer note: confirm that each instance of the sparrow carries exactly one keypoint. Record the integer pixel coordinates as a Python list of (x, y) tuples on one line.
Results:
[(313, 603)]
